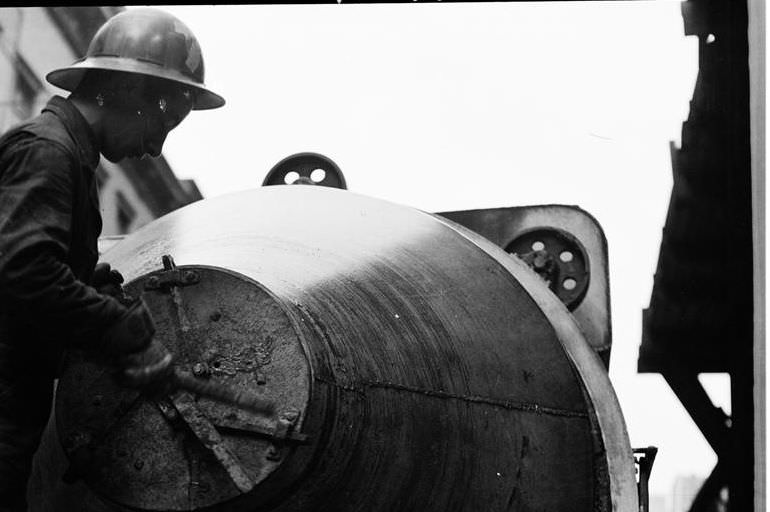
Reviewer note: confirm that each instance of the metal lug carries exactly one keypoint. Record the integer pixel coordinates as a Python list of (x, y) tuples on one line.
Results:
[(171, 276)]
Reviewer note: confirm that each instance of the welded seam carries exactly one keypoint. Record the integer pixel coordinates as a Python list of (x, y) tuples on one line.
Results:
[(505, 404)]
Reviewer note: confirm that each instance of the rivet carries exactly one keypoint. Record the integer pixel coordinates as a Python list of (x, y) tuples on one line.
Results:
[(215, 316), (203, 487), (201, 370), (138, 464), (273, 454), (261, 379)]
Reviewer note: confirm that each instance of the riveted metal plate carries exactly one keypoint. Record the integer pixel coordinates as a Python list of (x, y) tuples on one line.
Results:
[(140, 452)]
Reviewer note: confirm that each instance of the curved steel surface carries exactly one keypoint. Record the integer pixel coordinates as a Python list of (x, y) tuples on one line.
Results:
[(444, 375), (503, 225), (609, 416)]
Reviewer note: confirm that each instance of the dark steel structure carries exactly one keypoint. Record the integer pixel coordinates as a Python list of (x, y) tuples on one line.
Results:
[(412, 364), (700, 317)]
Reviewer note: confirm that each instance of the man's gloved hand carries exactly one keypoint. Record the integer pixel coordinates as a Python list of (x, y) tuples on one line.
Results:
[(151, 367), (142, 361), (107, 281)]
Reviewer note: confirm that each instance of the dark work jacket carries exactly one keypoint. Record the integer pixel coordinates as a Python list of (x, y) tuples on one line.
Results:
[(49, 226)]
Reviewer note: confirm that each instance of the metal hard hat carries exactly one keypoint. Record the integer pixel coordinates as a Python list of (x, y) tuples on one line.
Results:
[(148, 42)]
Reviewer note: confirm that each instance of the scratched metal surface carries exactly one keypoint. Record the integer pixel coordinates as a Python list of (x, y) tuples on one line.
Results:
[(503, 225), (438, 382)]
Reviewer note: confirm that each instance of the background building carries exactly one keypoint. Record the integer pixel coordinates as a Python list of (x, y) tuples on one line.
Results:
[(36, 40), (683, 493), (658, 503)]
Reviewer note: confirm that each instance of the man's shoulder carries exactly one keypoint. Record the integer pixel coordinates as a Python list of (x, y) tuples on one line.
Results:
[(45, 131)]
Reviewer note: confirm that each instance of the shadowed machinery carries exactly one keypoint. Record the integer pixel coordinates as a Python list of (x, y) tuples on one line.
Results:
[(409, 364)]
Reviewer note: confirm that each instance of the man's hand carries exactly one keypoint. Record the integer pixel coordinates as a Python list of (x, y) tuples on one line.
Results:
[(107, 281), (151, 367), (141, 360)]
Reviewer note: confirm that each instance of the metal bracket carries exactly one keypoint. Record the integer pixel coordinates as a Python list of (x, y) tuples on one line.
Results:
[(207, 434), (180, 409), (281, 431), (171, 276), (284, 428), (644, 458)]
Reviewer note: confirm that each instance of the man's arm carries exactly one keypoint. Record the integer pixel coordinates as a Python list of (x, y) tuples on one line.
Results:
[(37, 190)]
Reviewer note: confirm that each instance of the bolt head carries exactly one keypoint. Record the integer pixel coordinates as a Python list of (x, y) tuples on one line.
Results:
[(273, 454), (261, 379), (540, 261), (201, 370)]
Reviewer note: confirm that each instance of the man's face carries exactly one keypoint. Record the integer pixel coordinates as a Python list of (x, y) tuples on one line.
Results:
[(138, 115)]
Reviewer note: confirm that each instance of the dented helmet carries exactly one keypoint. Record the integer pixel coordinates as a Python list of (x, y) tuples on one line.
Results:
[(144, 41)]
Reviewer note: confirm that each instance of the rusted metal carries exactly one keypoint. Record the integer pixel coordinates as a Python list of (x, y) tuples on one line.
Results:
[(202, 428), (180, 379), (225, 329), (211, 390), (275, 431), (168, 410)]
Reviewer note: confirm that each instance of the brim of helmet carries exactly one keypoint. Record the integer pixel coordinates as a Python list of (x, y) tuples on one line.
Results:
[(68, 78)]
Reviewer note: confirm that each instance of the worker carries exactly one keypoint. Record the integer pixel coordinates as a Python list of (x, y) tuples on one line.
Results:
[(142, 74)]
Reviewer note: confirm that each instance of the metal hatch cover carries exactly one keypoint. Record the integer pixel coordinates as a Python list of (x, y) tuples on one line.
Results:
[(183, 452)]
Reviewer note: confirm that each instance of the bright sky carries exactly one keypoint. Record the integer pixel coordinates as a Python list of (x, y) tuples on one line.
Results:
[(463, 106)]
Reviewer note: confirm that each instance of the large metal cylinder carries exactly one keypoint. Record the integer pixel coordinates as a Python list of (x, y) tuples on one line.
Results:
[(415, 366)]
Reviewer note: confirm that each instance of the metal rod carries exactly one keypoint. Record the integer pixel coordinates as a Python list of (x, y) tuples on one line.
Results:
[(220, 393)]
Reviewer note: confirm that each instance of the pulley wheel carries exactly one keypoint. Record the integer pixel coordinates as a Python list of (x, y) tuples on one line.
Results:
[(559, 258), (306, 169)]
